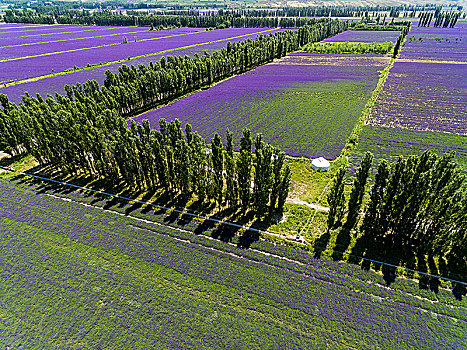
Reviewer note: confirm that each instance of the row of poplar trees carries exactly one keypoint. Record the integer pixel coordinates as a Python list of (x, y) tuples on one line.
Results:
[(86, 129), (133, 18), (419, 202)]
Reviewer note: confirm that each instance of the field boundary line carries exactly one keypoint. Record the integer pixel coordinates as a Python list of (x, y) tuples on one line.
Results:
[(183, 212)]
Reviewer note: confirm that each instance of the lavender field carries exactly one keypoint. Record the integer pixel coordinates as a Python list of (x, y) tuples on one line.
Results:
[(306, 104), (364, 36), (428, 96), (19, 69), (440, 44), (176, 45), (78, 276)]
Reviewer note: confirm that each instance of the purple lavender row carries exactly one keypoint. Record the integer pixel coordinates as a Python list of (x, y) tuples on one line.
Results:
[(272, 99), (36, 66), (57, 83), (424, 96), (365, 36)]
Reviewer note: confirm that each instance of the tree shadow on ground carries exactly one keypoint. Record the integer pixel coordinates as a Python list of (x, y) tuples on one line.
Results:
[(343, 240), (320, 244), (247, 239)]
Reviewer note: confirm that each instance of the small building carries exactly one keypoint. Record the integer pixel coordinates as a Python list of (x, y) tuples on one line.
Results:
[(320, 164)]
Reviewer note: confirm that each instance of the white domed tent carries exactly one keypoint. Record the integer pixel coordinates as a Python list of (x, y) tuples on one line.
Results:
[(320, 164)]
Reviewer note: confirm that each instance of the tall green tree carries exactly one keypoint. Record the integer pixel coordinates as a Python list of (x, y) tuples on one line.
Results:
[(336, 199), (218, 167), (357, 192), (370, 225), (244, 164), (284, 188), (230, 172)]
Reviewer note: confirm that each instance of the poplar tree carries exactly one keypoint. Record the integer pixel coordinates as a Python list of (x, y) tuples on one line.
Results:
[(284, 188), (218, 167), (244, 169), (357, 192), (336, 199), (279, 157), (230, 172), (373, 213)]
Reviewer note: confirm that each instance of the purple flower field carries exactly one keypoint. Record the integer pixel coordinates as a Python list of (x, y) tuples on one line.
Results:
[(365, 36), (306, 104), (443, 44), (42, 65), (56, 83), (424, 96), (89, 276)]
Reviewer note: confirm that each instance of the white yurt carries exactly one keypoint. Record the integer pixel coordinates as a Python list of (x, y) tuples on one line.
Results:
[(320, 164)]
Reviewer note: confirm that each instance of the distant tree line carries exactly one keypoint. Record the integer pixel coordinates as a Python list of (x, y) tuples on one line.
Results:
[(445, 20), (419, 202), (86, 129), (49, 7), (133, 18), (349, 47)]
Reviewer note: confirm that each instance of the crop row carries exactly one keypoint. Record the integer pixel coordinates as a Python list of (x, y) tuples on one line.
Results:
[(365, 36), (441, 44), (188, 225)]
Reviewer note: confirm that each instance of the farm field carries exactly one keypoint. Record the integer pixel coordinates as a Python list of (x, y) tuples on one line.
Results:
[(438, 44), (89, 276), (423, 104), (364, 36), (390, 143), (306, 104), (180, 45), (20, 69), (426, 96)]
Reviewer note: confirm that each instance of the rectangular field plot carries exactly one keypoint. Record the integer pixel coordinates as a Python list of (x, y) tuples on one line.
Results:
[(441, 44), (19, 69), (75, 276), (364, 36), (306, 104), (389, 143), (424, 96), (50, 85)]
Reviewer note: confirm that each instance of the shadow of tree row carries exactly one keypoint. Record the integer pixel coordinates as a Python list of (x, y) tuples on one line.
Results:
[(368, 253), (362, 252)]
